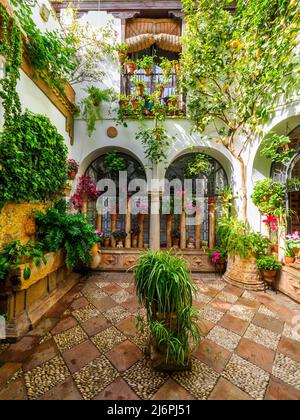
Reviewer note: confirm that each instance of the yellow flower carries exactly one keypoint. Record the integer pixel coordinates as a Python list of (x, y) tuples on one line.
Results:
[(227, 86), (235, 44)]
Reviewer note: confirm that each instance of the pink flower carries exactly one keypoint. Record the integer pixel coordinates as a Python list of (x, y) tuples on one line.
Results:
[(215, 257)]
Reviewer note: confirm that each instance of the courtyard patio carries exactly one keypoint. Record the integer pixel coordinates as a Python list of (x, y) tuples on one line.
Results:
[(87, 347)]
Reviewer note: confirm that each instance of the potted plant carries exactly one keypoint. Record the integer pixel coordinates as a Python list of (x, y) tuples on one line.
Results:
[(130, 66), (106, 239), (140, 86), (73, 168), (122, 50), (164, 286), (135, 231), (160, 88), (243, 246), (119, 237), (212, 202), (100, 237), (268, 195), (173, 101), (167, 67), (198, 164), (91, 106), (146, 63), (293, 242), (269, 266), (219, 259), (87, 189)]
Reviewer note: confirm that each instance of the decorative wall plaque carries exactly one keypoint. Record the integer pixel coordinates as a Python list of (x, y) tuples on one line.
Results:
[(112, 132)]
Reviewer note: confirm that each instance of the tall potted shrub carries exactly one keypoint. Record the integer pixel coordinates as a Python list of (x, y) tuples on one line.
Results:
[(164, 287)]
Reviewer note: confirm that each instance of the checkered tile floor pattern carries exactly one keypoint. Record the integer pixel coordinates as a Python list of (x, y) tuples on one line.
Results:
[(87, 347)]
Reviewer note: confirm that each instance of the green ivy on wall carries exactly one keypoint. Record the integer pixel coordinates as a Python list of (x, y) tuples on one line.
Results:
[(33, 159), (11, 49)]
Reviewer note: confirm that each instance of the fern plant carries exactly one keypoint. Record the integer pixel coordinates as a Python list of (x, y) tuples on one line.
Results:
[(164, 287), (91, 106), (57, 229)]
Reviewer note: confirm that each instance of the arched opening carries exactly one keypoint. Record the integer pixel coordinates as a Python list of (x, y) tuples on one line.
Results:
[(215, 179), (289, 174), (99, 169)]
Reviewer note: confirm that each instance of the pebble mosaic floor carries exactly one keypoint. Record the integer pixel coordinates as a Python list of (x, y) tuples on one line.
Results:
[(87, 348)]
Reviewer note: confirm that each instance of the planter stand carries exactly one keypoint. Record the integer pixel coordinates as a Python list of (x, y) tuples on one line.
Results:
[(244, 273), (159, 363)]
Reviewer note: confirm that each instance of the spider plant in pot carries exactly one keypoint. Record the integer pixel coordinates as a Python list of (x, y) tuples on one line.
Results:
[(164, 287), (91, 106), (269, 266)]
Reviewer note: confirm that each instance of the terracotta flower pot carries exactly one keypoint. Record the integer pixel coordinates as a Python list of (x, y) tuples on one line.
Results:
[(135, 104), (148, 72), (122, 55), (130, 68), (141, 90), (296, 251), (72, 175), (275, 248), (289, 260), (269, 276)]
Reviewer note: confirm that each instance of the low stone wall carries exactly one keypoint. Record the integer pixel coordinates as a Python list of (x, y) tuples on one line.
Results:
[(24, 308), (122, 259), (289, 282), (17, 223)]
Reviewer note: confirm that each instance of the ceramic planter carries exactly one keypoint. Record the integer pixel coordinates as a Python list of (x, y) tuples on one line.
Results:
[(55, 260), (269, 276), (130, 68), (148, 72)]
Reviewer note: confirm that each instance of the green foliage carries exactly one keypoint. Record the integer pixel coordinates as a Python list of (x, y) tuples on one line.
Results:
[(32, 159), (11, 49), (114, 163), (268, 262), (237, 238), (293, 184), (156, 143), (57, 229), (275, 147), (236, 66), (146, 62), (17, 253), (197, 165), (164, 287), (91, 105), (268, 195)]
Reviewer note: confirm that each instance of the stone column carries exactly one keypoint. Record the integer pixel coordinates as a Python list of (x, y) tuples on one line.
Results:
[(141, 218), (183, 229), (113, 229), (128, 226), (155, 221), (212, 228), (99, 220), (169, 230), (198, 229)]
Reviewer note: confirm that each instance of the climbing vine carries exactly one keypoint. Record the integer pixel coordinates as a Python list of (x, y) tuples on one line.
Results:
[(11, 49)]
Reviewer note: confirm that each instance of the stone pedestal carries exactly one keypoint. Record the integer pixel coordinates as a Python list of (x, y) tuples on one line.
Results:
[(289, 281), (244, 273)]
